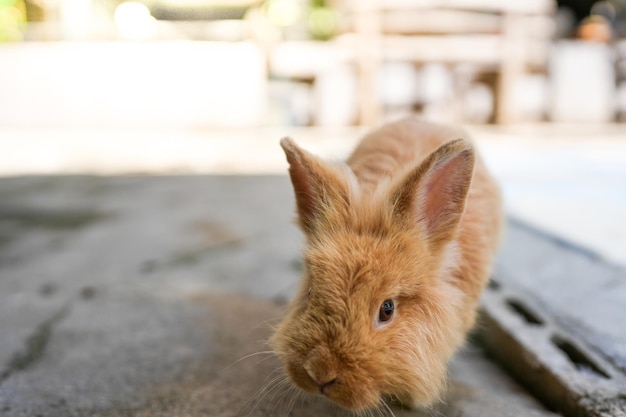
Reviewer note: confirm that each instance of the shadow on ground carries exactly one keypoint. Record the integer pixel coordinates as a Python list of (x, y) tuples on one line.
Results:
[(253, 384)]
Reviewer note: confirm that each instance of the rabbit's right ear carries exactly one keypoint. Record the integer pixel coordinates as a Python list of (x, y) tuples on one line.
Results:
[(319, 187), (434, 193)]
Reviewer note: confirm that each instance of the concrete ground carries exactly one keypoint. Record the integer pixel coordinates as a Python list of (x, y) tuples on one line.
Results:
[(566, 179), (138, 295), (145, 296)]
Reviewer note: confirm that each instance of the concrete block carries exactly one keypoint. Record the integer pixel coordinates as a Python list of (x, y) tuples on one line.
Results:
[(540, 324), (582, 290)]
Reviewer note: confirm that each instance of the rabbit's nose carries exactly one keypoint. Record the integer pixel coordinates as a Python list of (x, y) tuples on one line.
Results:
[(322, 377), (323, 383)]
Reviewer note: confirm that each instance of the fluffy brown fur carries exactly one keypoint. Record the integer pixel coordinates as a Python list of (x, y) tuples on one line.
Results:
[(413, 217)]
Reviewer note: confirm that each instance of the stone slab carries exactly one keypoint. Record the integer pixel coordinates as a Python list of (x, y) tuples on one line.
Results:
[(138, 296), (553, 318), (584, 293)]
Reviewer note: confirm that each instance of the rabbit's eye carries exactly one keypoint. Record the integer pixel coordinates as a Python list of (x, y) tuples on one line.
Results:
[(386, 310)]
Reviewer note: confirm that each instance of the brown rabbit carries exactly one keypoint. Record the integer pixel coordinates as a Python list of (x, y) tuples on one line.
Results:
[(399, 243)]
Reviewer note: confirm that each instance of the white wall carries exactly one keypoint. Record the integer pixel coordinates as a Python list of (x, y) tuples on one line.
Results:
[(113, 84)]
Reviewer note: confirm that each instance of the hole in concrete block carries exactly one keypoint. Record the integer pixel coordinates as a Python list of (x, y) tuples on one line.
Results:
[(493, 284), (580, 360), (526, 313)]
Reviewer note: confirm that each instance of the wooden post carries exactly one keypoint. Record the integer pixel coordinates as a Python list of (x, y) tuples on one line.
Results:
[(368, 62), (76, 18), (512, 68)]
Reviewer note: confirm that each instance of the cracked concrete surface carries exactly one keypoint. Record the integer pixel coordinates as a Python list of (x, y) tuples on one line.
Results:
[(34, 347), (144, 308)]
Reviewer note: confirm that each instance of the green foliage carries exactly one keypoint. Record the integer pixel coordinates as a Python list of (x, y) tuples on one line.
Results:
[(323, 23), (12, 19)]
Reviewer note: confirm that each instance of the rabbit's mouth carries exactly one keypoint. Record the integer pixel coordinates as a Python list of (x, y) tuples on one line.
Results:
[(353, 398), (342, 389)]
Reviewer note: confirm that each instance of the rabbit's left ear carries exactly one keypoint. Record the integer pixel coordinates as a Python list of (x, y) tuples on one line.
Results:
[(434, 193), (318, 186)]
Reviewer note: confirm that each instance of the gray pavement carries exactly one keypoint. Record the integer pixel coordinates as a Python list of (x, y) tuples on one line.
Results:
[(566, 179), (137, 296)]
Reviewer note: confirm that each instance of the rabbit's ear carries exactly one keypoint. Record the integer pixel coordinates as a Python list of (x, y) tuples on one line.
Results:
[(318, 186), (434, 193)]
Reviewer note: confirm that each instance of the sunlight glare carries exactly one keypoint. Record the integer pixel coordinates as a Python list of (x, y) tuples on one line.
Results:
[(134, 21)]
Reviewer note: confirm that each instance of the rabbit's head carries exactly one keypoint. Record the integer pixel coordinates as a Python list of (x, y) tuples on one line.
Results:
[(376, 314)]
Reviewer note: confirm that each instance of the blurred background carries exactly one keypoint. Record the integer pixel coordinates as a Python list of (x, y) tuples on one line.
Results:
[(234, 63), (209, 86)]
